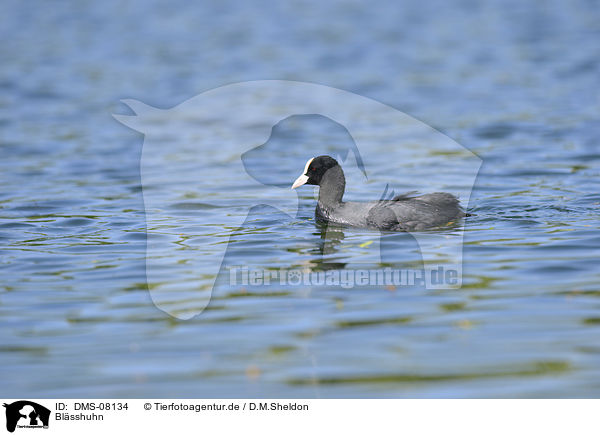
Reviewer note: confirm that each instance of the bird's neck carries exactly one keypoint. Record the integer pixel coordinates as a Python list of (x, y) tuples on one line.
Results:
[(332, 186)]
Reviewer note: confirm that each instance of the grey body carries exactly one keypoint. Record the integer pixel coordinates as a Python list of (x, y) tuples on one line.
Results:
[(402, 214)]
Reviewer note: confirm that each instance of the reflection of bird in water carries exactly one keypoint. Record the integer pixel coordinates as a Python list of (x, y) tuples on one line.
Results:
[(327, 246)]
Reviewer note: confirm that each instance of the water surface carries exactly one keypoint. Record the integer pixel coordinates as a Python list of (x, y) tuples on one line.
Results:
[(514, 82)]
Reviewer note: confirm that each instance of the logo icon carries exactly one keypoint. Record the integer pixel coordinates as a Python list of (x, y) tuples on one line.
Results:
[(26, 414)]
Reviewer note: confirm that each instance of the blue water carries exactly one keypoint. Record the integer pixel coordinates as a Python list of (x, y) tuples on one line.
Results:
[(516, 83)]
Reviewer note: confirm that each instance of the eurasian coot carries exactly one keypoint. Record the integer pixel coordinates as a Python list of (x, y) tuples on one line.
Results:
[(401, 213)]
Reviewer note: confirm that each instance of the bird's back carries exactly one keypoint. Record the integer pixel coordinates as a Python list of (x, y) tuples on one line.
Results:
[(402, 213)]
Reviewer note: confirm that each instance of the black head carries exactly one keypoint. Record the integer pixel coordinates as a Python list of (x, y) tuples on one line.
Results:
[(314, 170)]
